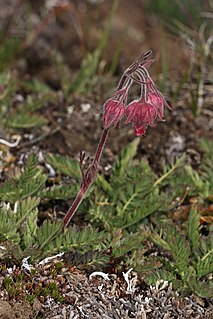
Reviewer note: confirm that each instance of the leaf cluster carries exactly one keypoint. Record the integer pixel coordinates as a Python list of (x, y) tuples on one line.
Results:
[(191, 263), (128, 196), (186, 180), (25, 184), (122, 205), (22, 114), (32, 181), (20, 233), (21, 196)]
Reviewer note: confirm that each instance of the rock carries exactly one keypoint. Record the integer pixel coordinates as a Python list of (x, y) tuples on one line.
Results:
[(20, 310), (6, 311)]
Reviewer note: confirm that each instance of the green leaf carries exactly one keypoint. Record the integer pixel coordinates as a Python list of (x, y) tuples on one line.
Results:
[(202, 289), (88, 258), (207, 167), (206, 243), (204, 265), (59, 192), (194, 231), (152, 278), (206, 146), (83, 239), (127, 242), (24, 208), (37, 86), (32, 179), (51, 239), (27, 184), (112, 215), (20, 223), (9, 190), (64, 165), (136, 198), (8, 228), (125, 157), (46, 233), (25, 120), (29, 232), (158, 240), (104, 185), (179, 248), (169, 171), (142, 264), (8, 50)]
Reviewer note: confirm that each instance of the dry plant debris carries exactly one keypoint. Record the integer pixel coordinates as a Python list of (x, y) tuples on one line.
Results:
[(59, 291)]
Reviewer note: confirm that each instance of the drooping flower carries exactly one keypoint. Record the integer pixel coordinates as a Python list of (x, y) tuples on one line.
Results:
[(114, 110), (143, 112), (159, 102), (140, 113)]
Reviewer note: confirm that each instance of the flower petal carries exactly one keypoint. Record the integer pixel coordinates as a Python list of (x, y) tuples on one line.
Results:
[(113, 112), (140, 130)]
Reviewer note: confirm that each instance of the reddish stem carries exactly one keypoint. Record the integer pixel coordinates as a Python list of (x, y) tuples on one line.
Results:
[(89, 178)]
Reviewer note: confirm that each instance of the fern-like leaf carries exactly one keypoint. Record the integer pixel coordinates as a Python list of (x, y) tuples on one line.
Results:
[(47, 232), (158, 240), (25, 120), (64, 165), (125, 157), (203, 289), (89, 258), (24, 208), (29, 231), (179, 248), (194, 231), (59, 192), (27, 184), (128, 242), (204, 265), (164, 275), (8, 228), (51, 239), (84, 239)]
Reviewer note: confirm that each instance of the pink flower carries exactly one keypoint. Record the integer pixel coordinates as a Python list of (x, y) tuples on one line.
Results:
[(113, 112), (158, 102), (140, 130), (143, 112), (114, 108)]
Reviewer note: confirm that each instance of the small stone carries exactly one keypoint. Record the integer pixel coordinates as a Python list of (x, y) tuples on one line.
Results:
[(36, 305), (85, 107)]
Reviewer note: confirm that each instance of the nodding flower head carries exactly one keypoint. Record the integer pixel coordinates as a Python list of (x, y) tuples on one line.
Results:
[(114, 108), (142, 112)]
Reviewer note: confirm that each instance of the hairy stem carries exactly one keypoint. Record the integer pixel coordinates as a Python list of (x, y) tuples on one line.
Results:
[(89, 178)]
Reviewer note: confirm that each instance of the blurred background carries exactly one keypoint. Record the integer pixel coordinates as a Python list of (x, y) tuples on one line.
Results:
[(61, 59)]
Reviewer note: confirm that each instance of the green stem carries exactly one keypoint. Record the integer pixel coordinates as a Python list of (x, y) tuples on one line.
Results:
[(172, 169)]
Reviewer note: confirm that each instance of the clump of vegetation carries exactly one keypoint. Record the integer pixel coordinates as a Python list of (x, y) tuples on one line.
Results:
[(192, 264), (115, 219)]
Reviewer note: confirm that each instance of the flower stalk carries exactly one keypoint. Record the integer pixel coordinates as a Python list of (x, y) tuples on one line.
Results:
[(87, 178), (142, 113)]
